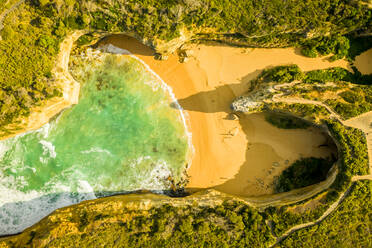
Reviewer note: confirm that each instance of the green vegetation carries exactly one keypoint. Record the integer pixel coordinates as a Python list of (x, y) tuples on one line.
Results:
[(337, 45), (358, 45), (337, 74), (25, 71), (347, 93), (309, 112), (230, 224), (328, 75), (282, 74), (302, 173), (30, 42), (283, 218), (286, 121), (353, 152), (32, 33), (5, 4), (356, 101), (348, 226), (354, 161)]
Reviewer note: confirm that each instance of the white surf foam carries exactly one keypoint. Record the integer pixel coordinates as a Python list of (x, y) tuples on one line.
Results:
[(19, 210), (109, 48), (97, 150), (48, 148)]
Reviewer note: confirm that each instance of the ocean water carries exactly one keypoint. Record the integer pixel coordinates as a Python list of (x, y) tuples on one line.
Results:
[(122, 136)]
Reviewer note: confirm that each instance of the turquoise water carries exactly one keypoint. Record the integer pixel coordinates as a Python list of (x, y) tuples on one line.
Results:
[(122, 136)]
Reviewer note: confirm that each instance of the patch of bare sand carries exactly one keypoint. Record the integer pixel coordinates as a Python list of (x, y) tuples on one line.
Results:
[(363, 62), (240, 151), (270, 150)]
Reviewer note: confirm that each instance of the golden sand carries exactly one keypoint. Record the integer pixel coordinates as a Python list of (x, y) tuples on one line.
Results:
[(363, 62), (236, 156)]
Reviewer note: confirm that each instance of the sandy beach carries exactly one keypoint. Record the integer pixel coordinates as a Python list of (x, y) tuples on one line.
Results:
[(363, 62), (240, 156)]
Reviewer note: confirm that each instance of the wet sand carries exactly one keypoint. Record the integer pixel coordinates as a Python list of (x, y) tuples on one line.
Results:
[(231, 154)]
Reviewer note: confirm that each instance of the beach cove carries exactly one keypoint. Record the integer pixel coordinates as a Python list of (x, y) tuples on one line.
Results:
[(234, 156), (234, 153)]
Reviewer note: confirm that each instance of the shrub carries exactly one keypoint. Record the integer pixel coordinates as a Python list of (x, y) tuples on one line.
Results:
[(352, 96), (285, 121), (302, 173), (336, 45), (287, 73)]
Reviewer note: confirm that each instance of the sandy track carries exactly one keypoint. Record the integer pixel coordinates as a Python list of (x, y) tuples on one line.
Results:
[(7, 11), (362, 122)]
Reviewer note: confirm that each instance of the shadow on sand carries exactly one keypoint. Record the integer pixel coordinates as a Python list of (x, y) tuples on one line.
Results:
[(219, 99), (130, 43)]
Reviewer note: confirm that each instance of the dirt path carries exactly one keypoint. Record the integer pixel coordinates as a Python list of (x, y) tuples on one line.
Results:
[(320, 219), (6, 12), (363, 122), (276, 98)]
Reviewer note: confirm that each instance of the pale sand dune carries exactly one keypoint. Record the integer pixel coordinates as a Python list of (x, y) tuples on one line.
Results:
[(363, 62), (205, 87)]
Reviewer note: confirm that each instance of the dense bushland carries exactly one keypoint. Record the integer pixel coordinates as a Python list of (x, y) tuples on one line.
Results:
[(282, 74), (347, 93), (286, 121), (32, 32), (337, 74), (230, 224), (353, 161), (337, 45), (302, 173), (309, 112), (356, 101), (348, 226), (352, 150)]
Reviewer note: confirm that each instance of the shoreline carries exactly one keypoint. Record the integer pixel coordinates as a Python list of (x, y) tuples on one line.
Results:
[(109, 48), (205, 86), (41, 115)]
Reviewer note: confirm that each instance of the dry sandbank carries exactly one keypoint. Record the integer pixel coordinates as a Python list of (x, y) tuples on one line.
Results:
[(363, 62)]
